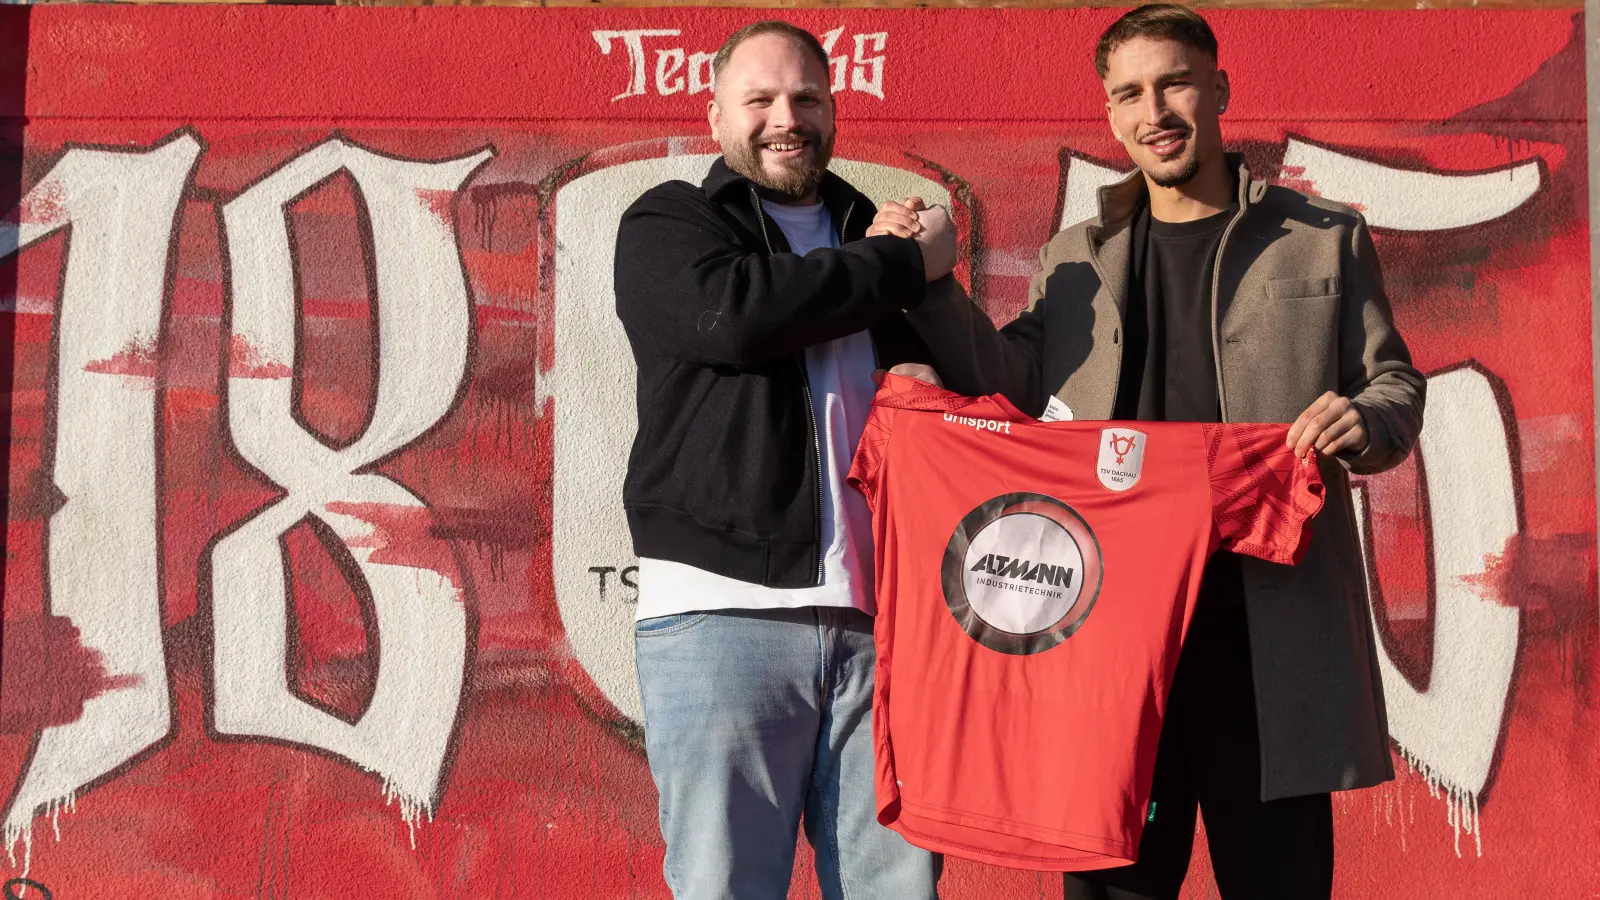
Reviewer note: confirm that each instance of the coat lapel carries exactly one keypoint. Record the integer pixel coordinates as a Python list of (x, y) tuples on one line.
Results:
[(1110, 239)]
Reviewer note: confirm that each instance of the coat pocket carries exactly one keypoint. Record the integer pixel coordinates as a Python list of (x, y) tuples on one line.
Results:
[(1296, 288)]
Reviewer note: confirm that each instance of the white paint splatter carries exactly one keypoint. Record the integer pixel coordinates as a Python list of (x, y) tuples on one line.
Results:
[(25, 834), (411, 809), (1010, 262), (1461, 804), (23, 831), (28, 305), (1546, 440)]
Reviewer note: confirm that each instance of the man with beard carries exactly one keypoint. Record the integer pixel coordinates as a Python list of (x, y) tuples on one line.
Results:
[(1200, 293), (757, 309)]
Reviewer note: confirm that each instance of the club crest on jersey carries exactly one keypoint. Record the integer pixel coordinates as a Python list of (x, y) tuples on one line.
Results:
[(1021, 573), (1121, 457)]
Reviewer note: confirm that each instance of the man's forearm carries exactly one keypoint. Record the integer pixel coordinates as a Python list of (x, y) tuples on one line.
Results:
[(696, 291), (971, 355), (1391, 409), (1377, 374)]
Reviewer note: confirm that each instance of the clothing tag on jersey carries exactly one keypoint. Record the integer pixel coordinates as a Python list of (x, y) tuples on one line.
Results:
[(1121, 458), (1056, 411)]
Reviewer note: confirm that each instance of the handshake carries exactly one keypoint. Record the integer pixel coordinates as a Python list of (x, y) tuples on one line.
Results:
[(929, 227)]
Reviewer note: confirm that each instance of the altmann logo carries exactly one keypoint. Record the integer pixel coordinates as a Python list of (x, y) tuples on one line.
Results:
[(979, 424), (1024, 570), (1021, 573)]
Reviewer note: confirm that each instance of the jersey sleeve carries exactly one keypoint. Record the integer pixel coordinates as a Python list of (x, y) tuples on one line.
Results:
[(896, 393), (1262, 495), (866, 467)]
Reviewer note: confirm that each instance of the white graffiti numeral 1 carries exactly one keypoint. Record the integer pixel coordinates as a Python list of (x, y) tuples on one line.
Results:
[(423, 334), (102, 544)]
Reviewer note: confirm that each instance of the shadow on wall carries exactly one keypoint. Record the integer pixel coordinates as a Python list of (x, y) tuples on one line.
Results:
[(13, 90)]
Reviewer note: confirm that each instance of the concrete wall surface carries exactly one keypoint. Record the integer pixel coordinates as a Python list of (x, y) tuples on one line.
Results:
[(317, 583)]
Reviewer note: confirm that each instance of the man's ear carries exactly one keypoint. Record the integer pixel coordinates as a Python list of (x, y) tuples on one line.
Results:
[(1224, 91), (713, 114)]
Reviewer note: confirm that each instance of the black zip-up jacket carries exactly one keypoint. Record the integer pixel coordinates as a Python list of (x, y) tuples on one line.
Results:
[(726, 468)]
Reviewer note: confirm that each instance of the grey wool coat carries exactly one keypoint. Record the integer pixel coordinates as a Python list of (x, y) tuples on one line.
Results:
[(1298, 309)]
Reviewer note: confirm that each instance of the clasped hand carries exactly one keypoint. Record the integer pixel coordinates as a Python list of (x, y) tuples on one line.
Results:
[(930, 227)]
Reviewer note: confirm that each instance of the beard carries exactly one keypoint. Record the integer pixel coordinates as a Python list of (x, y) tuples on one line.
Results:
[(1176, 172), (793, 179), (1180, 176)]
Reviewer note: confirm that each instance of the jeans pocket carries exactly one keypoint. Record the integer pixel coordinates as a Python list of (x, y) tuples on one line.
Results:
[(660, 625)]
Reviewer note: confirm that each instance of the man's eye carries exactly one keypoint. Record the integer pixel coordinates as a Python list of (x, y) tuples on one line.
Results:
[(761, 102), (1128, 97)]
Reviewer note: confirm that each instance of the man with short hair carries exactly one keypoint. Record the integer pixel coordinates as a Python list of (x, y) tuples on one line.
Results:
[(757, 309), (1202, 294)]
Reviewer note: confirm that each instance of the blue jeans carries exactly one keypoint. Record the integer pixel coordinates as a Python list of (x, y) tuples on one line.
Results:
[(752, 717)]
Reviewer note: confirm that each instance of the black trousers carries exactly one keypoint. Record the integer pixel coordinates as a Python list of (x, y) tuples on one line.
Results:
[(1209, 759)]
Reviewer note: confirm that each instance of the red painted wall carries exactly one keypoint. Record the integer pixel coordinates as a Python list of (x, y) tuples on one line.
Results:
[(315, 583)]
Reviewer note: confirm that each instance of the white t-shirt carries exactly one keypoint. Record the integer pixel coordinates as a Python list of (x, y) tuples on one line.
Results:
[(840, 373)]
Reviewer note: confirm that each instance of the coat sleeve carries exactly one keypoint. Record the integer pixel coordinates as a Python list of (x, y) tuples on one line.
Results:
[(685, 284), (973, 357), (1375, 369)]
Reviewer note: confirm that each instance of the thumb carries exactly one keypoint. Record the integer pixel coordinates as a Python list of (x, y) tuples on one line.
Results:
[(915, 203)]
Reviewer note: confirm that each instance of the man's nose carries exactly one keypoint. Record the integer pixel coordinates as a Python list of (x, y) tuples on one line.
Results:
[(781, 114), (1153, 106)]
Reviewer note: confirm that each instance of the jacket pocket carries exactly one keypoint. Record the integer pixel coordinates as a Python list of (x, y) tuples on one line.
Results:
[(1297, 288)]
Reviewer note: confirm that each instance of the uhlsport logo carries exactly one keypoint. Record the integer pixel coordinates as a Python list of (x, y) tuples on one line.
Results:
[(1021, 573), (1121, 457), (999, 425)]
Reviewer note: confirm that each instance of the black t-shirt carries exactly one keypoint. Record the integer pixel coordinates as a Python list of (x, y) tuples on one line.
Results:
[(1168, 365)]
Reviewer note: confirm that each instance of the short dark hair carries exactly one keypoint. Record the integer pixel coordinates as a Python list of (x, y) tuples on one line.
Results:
[(1161, 21), (770, 26)]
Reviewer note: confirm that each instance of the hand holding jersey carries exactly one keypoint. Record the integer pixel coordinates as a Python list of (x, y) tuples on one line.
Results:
[(920, 371), (1331, 426)]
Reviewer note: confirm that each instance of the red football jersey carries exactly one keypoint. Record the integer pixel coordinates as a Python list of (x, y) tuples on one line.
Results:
[(1034, 583)]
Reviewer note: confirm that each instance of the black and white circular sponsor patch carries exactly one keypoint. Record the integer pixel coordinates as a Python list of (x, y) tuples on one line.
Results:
[(1021, 573)]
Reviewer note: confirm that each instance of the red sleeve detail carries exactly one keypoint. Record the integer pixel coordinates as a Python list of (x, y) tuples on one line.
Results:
[(1262, 495), (900, 392), (867, 464)]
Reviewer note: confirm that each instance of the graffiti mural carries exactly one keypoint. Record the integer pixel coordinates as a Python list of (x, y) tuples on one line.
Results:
[(317, 582)]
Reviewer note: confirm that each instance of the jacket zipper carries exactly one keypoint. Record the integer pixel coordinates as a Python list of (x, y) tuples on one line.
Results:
[(844, 225), (1216, 289), (805, 384)]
